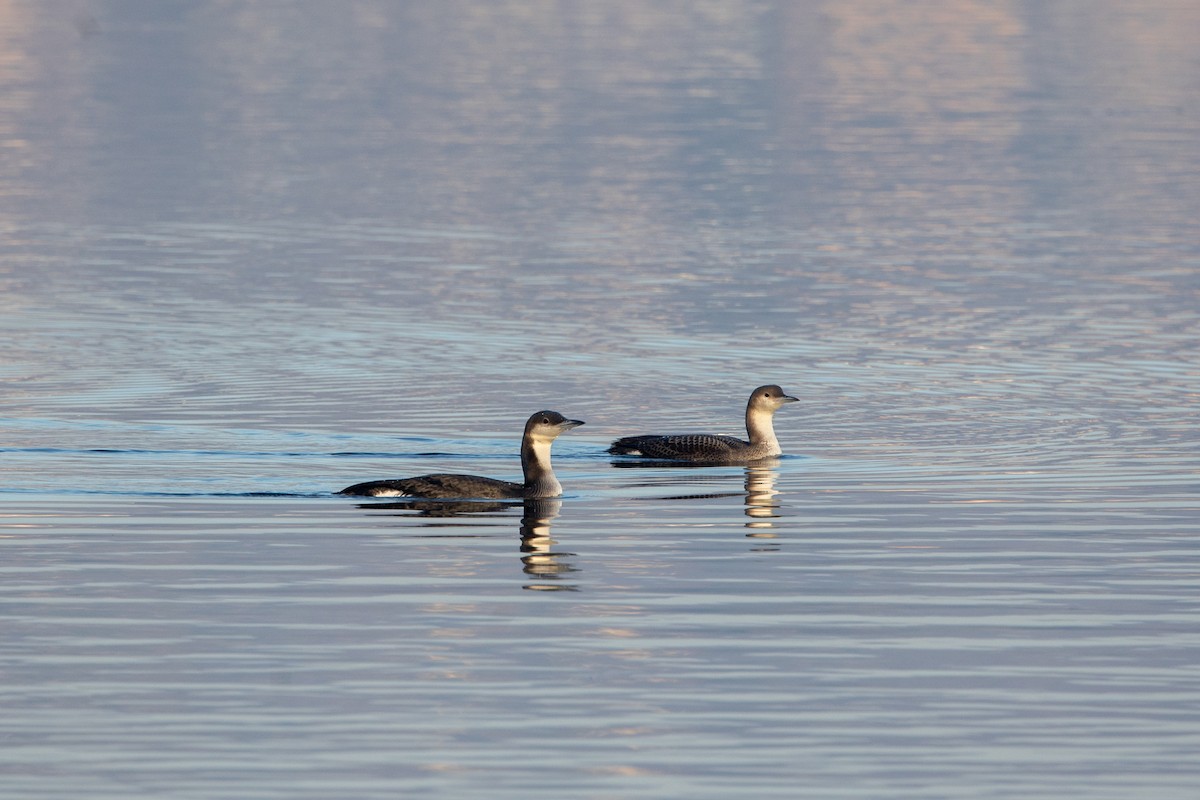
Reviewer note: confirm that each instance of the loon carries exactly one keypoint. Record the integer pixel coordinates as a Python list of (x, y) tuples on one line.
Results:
[(540, 431), (711, 448)]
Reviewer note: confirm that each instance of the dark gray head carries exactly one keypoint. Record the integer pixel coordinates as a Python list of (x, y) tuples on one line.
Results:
[(547, 425), (769, 397)]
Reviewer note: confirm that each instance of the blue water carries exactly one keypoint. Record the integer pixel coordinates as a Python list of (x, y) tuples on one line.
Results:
[(253, 253)]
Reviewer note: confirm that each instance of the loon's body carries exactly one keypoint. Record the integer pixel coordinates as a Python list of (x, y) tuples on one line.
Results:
[(711, 448), (540, 432)]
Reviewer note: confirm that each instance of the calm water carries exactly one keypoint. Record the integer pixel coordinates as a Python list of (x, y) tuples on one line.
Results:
[(251, 253)]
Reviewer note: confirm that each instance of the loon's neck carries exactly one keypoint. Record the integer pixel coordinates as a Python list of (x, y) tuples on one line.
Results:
[(535, 464), (761, 428)]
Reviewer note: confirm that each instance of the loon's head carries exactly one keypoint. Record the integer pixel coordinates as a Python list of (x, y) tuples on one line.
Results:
[(769, 398), (547, 425)]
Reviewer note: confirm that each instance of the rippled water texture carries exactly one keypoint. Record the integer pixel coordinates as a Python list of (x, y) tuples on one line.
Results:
[(251, 253)]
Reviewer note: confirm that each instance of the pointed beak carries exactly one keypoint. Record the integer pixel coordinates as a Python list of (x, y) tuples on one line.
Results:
[(787, 398), (571, 423)]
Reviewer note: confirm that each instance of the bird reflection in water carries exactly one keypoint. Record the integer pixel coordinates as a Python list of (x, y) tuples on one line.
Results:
[(539, 559), (761, 497), (762, 502)]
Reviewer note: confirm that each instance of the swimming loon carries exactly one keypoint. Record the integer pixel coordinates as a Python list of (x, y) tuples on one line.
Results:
[(713, 449), (540, 431)]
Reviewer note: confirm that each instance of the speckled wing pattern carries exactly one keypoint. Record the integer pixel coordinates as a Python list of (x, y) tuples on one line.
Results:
[(435, 486), (680, 447)]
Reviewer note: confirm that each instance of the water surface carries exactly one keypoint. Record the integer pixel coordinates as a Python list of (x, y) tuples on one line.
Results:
[(251, 254)]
